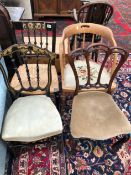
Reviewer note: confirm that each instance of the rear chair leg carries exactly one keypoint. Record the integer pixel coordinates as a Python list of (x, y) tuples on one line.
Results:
[(117, 145), (63, 100), (73, 146), (57, 100), (61, 143)]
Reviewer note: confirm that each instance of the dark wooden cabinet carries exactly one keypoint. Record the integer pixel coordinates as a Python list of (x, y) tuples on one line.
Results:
[(68, 5), (42, 8)]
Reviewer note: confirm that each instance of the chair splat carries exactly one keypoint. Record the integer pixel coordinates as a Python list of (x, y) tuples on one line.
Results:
[(104, 52)]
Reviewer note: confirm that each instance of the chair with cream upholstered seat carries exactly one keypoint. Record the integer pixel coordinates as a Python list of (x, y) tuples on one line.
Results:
[(42, 34), (95, 115), (68, 80), (30, 117)]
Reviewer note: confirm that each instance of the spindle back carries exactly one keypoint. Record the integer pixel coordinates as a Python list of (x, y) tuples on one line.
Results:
[(40, 33), (98, 13), (24, 53)]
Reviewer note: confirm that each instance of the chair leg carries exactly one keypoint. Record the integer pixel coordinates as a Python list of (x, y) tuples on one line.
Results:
[(11, 150), (63, 100), (10, 162), (117, 145), (73, 146), (57, 100), (61, 143), (12, 154)]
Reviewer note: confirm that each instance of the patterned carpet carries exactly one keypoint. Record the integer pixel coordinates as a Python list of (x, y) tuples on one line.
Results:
[(121, 22)]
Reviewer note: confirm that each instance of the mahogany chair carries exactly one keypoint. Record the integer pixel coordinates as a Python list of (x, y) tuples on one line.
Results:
[(95, 115), (97, 12), (30, 117), (68, 80)]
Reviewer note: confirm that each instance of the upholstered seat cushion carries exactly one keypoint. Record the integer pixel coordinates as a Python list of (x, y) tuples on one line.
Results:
[(33, 75), (30, 119), (81, 67), (95, 115)]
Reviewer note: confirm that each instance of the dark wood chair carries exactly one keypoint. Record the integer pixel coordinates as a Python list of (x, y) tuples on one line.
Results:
[(95, 115), (42, 34), (98, 13), (30, 117)]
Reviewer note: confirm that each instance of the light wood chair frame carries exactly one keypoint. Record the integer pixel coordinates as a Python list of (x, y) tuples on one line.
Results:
[(74, 30)]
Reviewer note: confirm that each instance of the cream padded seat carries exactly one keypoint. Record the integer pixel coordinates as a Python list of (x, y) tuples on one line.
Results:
[(31, 118), (95, 115), (33, 75), (81, 68)]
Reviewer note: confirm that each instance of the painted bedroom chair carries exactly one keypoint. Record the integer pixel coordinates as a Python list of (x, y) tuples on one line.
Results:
[(30, 118), (95, 115), (42, 34), (68, 79), (97, 12)]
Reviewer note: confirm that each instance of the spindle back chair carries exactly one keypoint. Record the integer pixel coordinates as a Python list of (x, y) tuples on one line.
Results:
[(34, 80), (40, 33), (31, 117), (68, 80), (98, 13)]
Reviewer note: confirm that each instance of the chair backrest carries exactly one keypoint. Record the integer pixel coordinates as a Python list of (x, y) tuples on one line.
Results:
[(24, 52), (104, 53), (98, 13), (40, 33), (82, 29)]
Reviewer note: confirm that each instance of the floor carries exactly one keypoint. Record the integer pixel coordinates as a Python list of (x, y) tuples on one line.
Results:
[(20, 3)]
